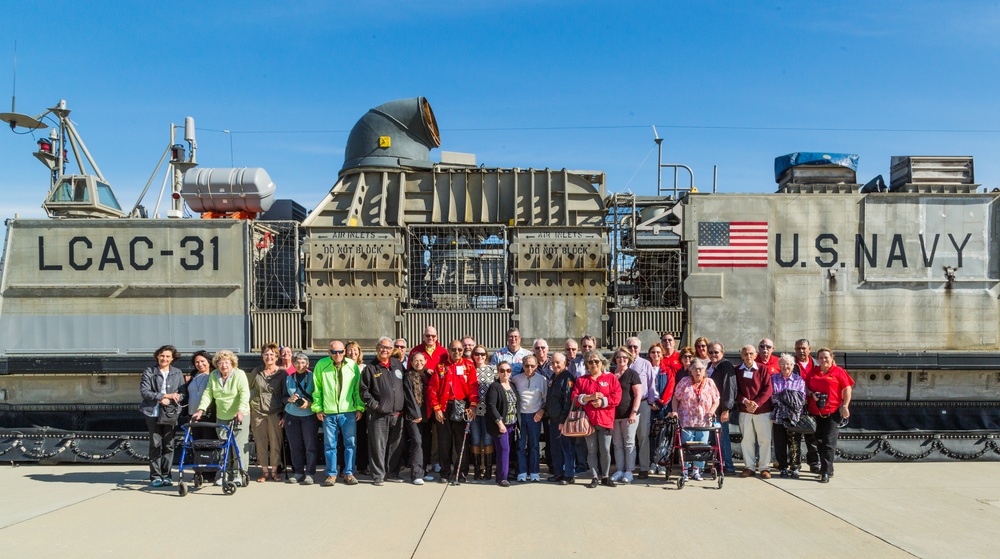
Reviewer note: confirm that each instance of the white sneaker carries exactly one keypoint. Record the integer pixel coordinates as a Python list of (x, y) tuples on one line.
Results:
[(418, 481), (617, 476), (521, 478), (428, 478), (218, 480), (661, 470), (536, 477), (627, 477), (652, 470), (238, 482)]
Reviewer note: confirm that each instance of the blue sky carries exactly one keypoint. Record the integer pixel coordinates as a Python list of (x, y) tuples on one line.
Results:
[(520, 84)]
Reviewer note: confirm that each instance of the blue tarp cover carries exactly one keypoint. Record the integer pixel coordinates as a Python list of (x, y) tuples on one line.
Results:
[(786, 162)]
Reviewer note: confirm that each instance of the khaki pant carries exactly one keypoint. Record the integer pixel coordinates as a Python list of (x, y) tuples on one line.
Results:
[(269, 438)]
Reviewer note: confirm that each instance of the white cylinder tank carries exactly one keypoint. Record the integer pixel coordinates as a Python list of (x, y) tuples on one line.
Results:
[(228, 190)]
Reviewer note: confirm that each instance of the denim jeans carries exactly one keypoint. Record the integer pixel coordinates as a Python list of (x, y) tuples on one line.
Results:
[(563, 452), (346, 425), (700, 436), (480, 436), (527, 448)]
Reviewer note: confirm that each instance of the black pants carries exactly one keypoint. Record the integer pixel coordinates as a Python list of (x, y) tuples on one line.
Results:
[(786, 447), (385, 449), (415, 432), (162, 439), (301, 432), (812, 450), (827, 431), (450, 441)]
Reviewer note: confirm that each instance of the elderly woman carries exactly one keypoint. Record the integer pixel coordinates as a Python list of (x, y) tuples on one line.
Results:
[(599, 393), (501, 418), (694, 404), (228, 388), (788, 398), (482, 442), (829, 397), (418, 429), (267, 383), (301, 424), (626, 415), (286, 362), (162, 389)]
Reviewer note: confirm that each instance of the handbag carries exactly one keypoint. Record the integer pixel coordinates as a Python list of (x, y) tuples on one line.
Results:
[(455, 410), (805, 425), (577, 424)]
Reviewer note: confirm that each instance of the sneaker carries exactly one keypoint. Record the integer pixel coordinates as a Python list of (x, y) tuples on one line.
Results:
[(238, 482), (567, 481), (535, 477), (428, 478), (661, 470), (167, 482), (307, 480), (396, 479), (521, 478), (437, 468), (378, 482), (627, 477), (652, 470), (696, 476), (593, 483), (294, 479), (442, 479), (418, 481), (608, 482), (218, 481), (330, 481), (685, 476), (824, 478), (156, 483), (554, 479), (350, 480), (617, 476), (504, 483), (794, 474)]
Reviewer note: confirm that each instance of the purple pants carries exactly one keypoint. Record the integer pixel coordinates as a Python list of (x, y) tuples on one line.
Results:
[(502, 445)]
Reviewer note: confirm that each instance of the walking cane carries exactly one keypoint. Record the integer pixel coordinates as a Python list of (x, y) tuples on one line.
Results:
[(461, 452)]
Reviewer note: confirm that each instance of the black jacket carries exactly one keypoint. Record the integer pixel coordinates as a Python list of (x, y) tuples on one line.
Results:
[(496, 406), (560, 400), (382, 388), (724, 378)]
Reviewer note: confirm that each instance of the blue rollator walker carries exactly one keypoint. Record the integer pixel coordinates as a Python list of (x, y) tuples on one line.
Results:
[(211, 455)]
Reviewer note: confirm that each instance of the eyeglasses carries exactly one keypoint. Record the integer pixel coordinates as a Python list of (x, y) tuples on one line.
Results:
[(529, 366), (714, 352), (457, 349), (667, 340), (400, 347), (632, 346), (430, 335), (384, 348), (336, 351), (687, 356), (479, 354), (572, 349), (593, 361), (765, 346), (618, 357)]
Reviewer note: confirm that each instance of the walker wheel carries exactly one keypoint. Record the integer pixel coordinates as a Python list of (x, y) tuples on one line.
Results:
[(229, 488), (680, 482), (182, 489), (198, 480)]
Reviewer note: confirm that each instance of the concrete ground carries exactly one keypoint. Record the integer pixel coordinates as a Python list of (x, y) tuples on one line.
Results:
[(882, 510)]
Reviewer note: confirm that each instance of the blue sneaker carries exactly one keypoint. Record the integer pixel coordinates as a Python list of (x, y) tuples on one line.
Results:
[(167, 482), (157, 483)]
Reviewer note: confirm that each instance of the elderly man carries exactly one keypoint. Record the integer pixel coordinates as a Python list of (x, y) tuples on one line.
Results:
[(648, 396), (454, 379), (468, 344), (753, 396), (804, 364), (723, 374), (337, 403), (513, 353), (431, 349), (766, 359), (670, 355), (572, 352), (532, 389), (540, 349), (385, 396), (400, 346)]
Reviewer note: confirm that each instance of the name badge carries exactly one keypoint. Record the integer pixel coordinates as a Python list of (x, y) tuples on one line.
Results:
[(747, 374), (460, 370)]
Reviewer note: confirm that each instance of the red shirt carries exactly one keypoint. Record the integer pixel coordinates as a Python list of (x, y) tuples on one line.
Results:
[(453, 381), (440, 354), (606, 384), (771, 367), (670, 369), (832, 384)]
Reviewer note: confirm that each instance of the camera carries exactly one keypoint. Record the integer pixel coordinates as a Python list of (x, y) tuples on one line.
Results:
[(302, 403), (821, 399)]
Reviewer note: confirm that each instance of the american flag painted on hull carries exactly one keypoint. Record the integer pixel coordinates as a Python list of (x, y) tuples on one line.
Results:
[(732, 244)]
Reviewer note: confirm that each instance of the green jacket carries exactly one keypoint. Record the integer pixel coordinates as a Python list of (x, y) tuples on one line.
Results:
[(229, 399), (332, 397)]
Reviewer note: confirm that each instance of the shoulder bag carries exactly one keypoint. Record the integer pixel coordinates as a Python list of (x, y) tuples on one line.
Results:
[(577, 424)]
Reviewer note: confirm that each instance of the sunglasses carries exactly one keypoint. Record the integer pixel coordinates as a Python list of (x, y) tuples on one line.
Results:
[(763, 346), (457, 349), (593, 361), (714, 352), (336, 351), (400, 347), (479, 354)]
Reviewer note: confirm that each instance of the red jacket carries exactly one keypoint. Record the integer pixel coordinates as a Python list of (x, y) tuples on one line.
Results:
[(452, 381), (606, 384), (670, 369)]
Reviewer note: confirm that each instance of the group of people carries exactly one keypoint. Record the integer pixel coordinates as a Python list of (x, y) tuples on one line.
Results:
[(452, 407)]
